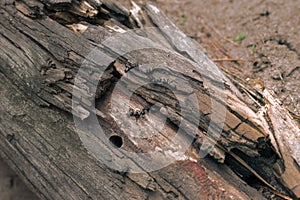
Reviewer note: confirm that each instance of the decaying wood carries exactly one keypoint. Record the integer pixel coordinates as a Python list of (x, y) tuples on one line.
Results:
[(43, 45), (285, 138)]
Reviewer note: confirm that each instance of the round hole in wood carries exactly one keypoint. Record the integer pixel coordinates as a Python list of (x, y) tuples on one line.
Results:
[(116, 140)]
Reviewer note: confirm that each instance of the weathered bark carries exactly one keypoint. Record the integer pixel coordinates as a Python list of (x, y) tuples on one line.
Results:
[(43, 45)]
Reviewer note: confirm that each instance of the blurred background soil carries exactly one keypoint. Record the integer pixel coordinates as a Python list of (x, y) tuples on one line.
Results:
[(270, 50), (266, 50)]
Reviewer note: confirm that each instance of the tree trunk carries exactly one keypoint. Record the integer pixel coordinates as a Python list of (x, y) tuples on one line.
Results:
[(99, 102)]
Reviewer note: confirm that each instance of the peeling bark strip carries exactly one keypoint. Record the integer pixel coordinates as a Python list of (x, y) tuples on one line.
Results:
[(43, 45)]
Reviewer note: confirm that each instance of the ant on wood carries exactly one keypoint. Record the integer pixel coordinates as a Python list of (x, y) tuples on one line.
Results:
[(138, 113)]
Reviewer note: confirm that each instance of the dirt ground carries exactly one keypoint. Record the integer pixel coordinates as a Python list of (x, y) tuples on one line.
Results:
[(269, 52)]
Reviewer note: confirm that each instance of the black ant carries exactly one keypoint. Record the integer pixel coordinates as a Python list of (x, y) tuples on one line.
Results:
[(146, 109), (11, 138), (138, 113)]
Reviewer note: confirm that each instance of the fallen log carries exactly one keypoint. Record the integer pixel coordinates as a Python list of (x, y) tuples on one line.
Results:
[(94, 109)]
